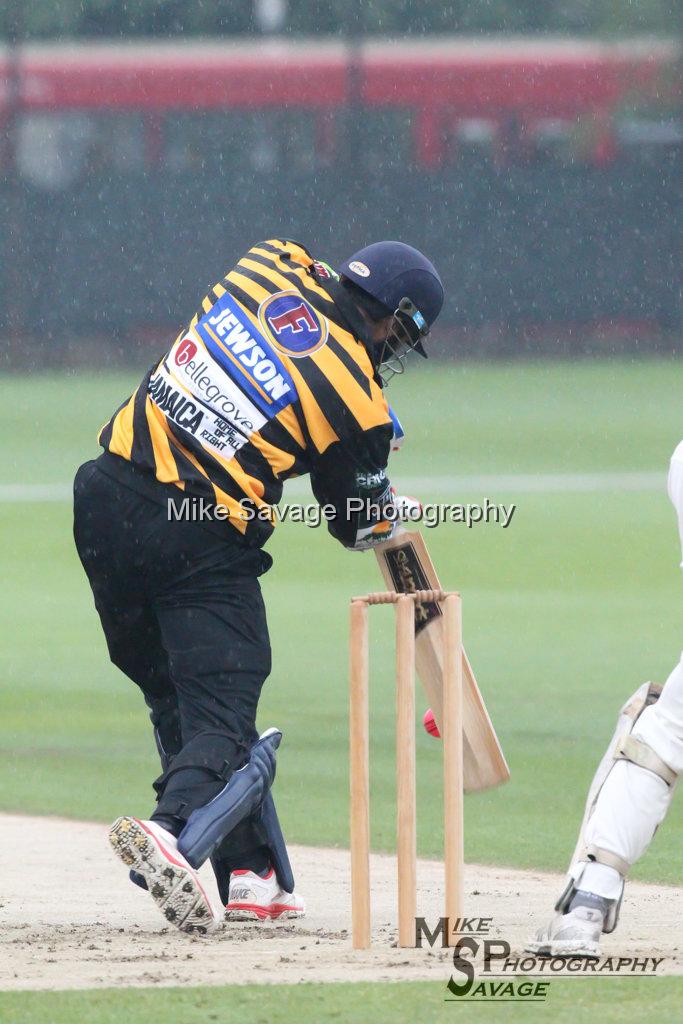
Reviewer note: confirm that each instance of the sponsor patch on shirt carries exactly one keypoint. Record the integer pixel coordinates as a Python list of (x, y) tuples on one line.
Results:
[(295, 326), (245, 355), (228, 417)]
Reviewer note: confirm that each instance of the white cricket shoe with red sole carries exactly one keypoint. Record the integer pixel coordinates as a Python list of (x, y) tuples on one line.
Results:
[(254, 898), (172, 883)]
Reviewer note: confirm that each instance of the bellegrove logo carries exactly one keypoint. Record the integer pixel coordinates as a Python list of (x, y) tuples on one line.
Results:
[(486, 969)]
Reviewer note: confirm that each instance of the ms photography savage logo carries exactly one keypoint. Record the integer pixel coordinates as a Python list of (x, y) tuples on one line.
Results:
[(485, 970)]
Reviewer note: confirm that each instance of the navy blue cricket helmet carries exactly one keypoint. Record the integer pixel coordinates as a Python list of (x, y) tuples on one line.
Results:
[(391, 271), (403, 282)]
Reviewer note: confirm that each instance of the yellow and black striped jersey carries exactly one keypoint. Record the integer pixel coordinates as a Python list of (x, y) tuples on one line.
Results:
[(271, 375)]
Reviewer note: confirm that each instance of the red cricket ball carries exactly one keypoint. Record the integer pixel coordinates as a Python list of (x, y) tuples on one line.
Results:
[(430, 725)]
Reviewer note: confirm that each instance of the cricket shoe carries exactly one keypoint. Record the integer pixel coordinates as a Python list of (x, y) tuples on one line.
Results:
[(152, 852), (576, 933), (255, 898)]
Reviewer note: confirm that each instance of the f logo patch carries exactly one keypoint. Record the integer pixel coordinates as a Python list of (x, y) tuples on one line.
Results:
[(297, 320), (295, 326)]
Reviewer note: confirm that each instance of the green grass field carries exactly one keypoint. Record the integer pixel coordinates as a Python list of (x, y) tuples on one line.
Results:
[(611, 1002), (566, 613)]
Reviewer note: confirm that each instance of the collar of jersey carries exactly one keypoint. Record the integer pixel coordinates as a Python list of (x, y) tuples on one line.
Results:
[(351, 319)]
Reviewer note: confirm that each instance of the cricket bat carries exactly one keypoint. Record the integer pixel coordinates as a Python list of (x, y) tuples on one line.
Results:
[(406, 566)]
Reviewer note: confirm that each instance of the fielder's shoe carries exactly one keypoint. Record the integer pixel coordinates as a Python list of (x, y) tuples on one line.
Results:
[(576, 933), (254, 898), (152, 852)]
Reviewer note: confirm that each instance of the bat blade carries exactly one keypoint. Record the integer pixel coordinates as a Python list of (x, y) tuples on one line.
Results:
[(406, 567)]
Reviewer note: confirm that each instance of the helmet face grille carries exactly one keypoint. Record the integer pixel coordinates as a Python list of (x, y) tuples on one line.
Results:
[(406, 330)]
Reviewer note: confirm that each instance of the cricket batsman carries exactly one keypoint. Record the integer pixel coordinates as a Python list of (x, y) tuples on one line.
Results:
[(627, 801), (280, 372)]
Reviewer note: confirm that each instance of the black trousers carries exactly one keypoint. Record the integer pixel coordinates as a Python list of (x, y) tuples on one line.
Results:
[(183, 616)]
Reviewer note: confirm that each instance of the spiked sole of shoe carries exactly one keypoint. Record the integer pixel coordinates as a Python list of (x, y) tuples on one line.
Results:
[(172, 885)]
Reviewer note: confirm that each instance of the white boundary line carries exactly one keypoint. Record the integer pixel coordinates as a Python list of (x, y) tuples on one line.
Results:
[(452, 486), (10, 493)]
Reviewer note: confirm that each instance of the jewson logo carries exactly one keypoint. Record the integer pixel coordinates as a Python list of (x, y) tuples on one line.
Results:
[(246, 356), (240, 341), (296, 327)]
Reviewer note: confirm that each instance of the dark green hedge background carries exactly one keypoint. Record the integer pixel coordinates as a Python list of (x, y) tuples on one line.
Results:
[(172, 18)]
